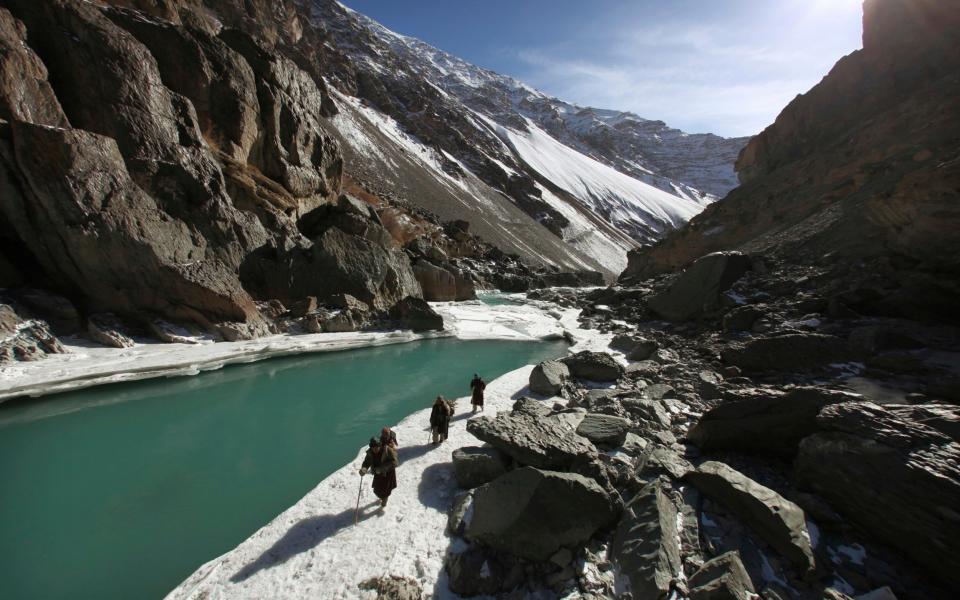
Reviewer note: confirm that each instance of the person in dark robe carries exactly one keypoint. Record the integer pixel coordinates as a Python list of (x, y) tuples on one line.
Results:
[(477, 385), (382, 460), (440, 420)]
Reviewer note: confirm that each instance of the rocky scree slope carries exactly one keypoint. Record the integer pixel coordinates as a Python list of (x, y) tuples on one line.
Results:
[(772, 443), (193, 182), (786, 423), (863, 167)]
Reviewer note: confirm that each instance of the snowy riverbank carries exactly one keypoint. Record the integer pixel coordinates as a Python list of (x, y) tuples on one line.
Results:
[(87, 364), (314, 550)]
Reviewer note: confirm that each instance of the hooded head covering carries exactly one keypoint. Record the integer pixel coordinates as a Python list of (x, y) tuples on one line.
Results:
[(385, 435)]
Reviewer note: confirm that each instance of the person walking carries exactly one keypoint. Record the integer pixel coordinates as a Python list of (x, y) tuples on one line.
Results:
[(440, 420), (477, 385), (382, 461)]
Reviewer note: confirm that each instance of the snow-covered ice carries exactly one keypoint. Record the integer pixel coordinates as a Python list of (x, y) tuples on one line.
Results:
[(86, 364), (314, 550)]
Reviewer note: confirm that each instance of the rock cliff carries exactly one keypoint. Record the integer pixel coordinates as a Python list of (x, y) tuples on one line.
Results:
[(863, 167)]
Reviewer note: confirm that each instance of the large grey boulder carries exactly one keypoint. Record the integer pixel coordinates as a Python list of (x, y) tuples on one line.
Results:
[(604, 429), (595, 366), (764, 419), (474, 466), (722, 578), (645, 544), (534, 439), (656, 459), (548, 377), (895, 477), (778, 521), (789, 352), (416, 314), (697, 290), (532, 513)]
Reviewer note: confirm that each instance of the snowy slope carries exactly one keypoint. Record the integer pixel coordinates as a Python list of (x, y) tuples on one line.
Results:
[(626, 202), (599, 181), (691, 165)]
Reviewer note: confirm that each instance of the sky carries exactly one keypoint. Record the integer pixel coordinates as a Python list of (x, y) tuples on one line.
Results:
[(720, 66)]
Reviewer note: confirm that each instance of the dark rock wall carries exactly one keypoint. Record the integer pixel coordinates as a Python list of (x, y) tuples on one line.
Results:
[(864, 165), (146, 157)]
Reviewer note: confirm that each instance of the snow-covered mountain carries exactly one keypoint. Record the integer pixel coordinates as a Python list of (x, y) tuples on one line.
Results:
[(602, 181)]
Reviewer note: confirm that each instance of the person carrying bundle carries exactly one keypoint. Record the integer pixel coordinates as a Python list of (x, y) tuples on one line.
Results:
[(440, 419), (382, 461)]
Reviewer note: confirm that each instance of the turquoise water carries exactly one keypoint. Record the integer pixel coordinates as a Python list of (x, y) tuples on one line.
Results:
[(123, 491), (497, 299)]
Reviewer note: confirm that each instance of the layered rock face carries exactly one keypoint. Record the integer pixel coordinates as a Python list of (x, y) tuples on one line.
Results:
[(863, 166), (188, 176)]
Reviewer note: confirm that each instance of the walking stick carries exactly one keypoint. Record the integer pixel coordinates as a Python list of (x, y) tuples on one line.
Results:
[(356, 516)]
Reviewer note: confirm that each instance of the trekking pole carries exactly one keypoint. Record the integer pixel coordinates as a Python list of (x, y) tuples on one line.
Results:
[(356, 516)]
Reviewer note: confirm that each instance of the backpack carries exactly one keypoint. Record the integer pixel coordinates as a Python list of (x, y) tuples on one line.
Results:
[(451, 407)]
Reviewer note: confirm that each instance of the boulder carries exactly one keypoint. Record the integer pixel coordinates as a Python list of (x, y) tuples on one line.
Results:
[(107, 329), (548, 377), (708, 385), (789, 352), (775, 519), (438, 284), (698, 289), (645, 546), (532, 513), (893, 476), (25, 340), (333, 263), (657, 459), (347, 302), (546, 442), (764, 420), (474, 466), (945, 418), (474, 573), (443, 283), (742, 318), (641, 349), (339, 323), (624, 342), (595, 366), (460, 513), (604, 429), (416, 314), (658, 391), (304, 307), (722, 578), (651, 413)]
